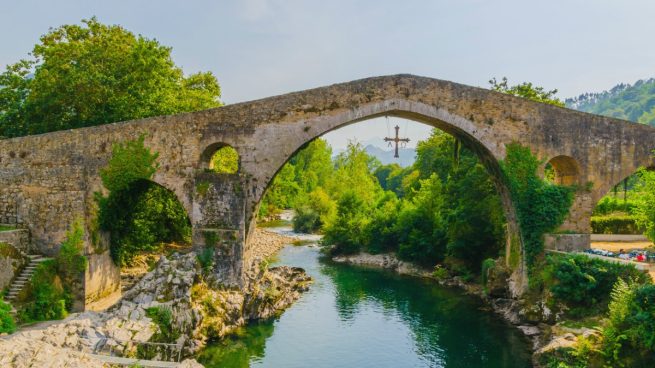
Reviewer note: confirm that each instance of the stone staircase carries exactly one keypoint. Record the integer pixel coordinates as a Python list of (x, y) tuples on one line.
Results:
[(19, 282)]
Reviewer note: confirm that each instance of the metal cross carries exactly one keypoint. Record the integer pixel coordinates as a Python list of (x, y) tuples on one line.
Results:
[(397, 140)]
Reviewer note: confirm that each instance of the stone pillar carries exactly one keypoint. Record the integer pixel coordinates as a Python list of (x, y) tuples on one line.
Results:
[(219, 223), (102, 278)]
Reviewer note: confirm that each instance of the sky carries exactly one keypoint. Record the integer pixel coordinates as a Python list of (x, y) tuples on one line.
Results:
[(260, 48)]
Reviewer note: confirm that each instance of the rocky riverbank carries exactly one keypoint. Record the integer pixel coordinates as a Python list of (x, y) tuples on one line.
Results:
[(198, 309), (532, 317)]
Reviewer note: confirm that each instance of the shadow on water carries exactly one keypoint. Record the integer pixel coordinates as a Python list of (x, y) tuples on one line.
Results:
[(357, 317)]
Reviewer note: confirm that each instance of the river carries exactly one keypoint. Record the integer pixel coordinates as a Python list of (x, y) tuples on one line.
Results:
[(358, 317)]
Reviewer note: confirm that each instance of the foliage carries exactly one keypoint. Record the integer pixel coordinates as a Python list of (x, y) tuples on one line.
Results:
[(644, 210), (45, 296), (140, 218), (624, 101), (91, 74), (616, 223), (7, 323), (206, 258), (138, 214), (163, 318), (611, 204), (629, 338), (70, 260), (130, 161), (540, 206), (584, 283), (420, 228), (527, 90), (306, 220), (487, 265), (346, 233), (225, 160)]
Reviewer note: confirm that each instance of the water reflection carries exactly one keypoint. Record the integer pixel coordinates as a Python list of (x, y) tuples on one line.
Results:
[(354, 317)]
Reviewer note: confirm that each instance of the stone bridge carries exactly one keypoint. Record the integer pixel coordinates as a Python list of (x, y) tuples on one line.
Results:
[(48, 180)]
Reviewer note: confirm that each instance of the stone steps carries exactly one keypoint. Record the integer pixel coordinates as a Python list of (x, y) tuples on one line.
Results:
[(19, 282)]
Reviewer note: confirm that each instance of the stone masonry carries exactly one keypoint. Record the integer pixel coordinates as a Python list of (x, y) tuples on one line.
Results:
[(48, 180)]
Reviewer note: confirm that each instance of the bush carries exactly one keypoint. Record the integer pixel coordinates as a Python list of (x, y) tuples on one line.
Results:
[(70, 260), (616, 223), (138, 214), (629, 338), (45, 296), (141, 217), (7, 323), (584, 283), (347, 233), (609, 204), (306, 220)]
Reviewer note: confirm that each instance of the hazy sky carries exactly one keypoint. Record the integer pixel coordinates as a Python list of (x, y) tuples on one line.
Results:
[(259, 48)]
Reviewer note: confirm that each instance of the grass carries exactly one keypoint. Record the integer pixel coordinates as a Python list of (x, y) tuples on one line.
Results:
[(7, 227)]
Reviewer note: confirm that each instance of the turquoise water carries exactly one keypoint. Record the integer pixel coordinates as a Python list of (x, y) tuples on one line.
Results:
[(356, 317)]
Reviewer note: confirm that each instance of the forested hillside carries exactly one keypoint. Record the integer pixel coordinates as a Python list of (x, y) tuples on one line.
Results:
[(634, 102)]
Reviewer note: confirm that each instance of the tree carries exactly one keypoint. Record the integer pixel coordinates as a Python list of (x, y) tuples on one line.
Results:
[(527, 90), (91, 74)]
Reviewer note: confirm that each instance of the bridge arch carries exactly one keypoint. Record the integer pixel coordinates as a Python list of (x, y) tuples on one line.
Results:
[(488, 150), (565, 170)]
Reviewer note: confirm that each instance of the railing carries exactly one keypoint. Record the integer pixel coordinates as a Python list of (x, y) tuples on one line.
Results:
[(163, 351)]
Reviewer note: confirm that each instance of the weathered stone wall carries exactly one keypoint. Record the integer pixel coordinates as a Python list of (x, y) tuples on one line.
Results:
[(11, 262), (19, 239), (567, 242), (47, 180)]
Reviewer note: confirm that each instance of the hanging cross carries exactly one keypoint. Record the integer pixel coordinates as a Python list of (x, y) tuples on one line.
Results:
[(397, 140)]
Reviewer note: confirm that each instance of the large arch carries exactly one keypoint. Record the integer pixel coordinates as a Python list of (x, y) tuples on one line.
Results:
[(457, 126)]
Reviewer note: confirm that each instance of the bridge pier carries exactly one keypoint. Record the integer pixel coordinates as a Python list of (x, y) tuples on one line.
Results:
[(219, 223)]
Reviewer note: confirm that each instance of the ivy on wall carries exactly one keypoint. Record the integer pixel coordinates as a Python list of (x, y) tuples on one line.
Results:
[(540, 206)]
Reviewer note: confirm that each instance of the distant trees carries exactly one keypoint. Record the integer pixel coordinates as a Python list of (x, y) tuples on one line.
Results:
[(91, 74), (634, 102), (527, 90)]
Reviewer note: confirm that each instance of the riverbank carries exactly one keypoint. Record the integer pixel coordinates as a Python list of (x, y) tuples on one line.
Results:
[(526, 317), (198, 310)]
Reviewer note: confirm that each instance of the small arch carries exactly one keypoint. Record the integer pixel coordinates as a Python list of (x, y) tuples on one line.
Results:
[(221, 158), (562, 170)]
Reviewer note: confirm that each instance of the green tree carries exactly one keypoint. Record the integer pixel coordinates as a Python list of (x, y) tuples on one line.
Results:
[(138, 214), (527, 90), (130, 161), (644, 209), (91, 74)]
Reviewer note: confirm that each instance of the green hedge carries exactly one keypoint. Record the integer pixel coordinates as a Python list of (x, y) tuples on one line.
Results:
[(615, 224), (584, 283)]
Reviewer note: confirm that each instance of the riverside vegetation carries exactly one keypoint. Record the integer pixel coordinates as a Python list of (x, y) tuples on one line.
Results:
[(443, 212)]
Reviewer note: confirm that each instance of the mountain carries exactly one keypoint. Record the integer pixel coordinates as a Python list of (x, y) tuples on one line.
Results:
[(407, 155), (634, 102)]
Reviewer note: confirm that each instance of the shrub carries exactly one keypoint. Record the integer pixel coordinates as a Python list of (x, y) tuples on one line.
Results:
[(616, 223), (45, 296), (306, 220), (609, 204), (138, 214), (141, 217), (584, 283), (7, 323), (629, 338), (70, 259), (206, 257), (347, 233)]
